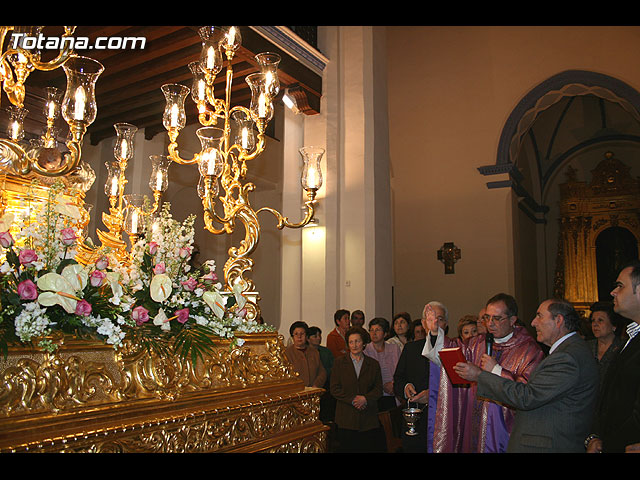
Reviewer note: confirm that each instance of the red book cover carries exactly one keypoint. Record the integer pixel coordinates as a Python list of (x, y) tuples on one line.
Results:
[(449, 357)]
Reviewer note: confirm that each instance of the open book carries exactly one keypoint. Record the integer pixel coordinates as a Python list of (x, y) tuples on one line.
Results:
[(449, 357)]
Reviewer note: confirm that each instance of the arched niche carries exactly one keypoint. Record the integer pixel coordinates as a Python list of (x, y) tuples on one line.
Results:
[(615, 246), (599, 224)]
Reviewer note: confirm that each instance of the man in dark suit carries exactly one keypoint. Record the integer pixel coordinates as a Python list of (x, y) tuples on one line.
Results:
[(617, 423), (554, 410)]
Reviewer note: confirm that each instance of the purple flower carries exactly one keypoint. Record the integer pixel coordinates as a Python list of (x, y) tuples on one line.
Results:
[(140, 315), (27, 257), (68, 236), (159, 268), (182, 315), (83, 308), (6, 240), (27, 290), (190, 285), (97, 278)]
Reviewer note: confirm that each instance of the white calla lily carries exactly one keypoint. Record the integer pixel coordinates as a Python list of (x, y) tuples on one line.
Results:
[(76, 275), (215, 301), (63, 207), (114, 280), (160, 287), (57, 290), (161, 320), (241, 300)]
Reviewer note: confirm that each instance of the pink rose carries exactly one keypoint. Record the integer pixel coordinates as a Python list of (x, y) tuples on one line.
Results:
[(159, 268), (97, 278), (210, 277), (153, 248), (140, 315), (68, 236), (182, 315), (184, 252), (190, 285), (83, 308), (102, 263), (27, 257), (6, 240), (27, 290)]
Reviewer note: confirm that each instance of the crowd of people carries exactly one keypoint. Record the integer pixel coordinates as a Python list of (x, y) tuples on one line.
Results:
[(557, 389)]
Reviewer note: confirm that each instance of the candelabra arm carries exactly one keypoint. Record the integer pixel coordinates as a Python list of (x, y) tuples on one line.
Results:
[(174, 154), (285, 222)]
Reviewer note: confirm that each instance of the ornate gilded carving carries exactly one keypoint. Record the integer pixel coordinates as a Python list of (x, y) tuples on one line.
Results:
[(88, 398), (612, 198)]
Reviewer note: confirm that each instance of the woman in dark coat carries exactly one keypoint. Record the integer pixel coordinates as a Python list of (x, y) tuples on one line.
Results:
[(356, 384)]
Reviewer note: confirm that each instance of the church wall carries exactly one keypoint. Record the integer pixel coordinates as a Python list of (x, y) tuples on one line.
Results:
[(447, 108)]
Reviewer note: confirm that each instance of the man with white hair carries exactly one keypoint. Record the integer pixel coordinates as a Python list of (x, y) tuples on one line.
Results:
[(462, 422)]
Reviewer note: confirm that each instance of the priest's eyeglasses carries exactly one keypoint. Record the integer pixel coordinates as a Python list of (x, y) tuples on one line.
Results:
[(494, 318)]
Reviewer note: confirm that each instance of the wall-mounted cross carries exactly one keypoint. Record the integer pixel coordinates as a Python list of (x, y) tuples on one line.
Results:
[(449, 254)]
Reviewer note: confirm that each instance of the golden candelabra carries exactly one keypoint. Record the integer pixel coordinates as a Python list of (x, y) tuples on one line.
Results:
[(230, 137), (78, 106)]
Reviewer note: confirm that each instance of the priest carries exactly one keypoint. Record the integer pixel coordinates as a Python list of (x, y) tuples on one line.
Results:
[(462, 421)]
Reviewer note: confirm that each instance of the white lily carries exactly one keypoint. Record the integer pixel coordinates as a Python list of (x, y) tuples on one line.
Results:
[(215, 301), (160, 287), (161, 320), (57, 290), (65, 208)]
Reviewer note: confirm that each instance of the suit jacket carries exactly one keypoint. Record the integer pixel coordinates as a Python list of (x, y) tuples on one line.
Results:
[(554, 410), (412, 368), (345, 385), (618, 413)]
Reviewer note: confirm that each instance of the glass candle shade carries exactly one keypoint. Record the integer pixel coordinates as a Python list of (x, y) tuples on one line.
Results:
[(243, 130), (211, 57), (79, 103), (174, 116), (15, 129), (211, 161), (133, 214), (232, 39), (52, 104), (261, 102), (123, 149), (213, 190), (268, 63), (198, 88), (311, 170), (159, 180), (111, 185)]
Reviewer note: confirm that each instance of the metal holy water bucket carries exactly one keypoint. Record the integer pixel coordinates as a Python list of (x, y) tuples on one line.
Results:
[(411, 416)]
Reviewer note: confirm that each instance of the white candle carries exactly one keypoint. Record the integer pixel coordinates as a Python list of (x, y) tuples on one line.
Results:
[(114, 186), (159, 180), (52, 109), (174, 115), (80, 99), (245, 138), (211, 58), (134, 222), (262, 106)]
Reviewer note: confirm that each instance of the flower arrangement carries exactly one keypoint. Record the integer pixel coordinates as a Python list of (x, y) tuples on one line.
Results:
[(158, 300)]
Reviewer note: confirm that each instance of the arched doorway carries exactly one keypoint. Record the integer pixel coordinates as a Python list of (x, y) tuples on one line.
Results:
[(568, 121)]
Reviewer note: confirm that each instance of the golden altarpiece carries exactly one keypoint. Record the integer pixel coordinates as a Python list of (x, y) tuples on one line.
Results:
[(242, 395), (589, 211)]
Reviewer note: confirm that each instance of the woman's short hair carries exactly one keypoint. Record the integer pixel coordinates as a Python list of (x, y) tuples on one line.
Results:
[(381, 322), (299, 324), (617, 320), (357, 331)]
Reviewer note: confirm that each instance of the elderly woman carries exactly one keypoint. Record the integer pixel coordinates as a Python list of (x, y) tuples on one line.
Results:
[(400, 332), (387, 355), (305, 359), (607, 327), (356, 384)]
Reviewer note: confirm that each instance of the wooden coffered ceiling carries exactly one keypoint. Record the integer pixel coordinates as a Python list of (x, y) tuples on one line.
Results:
[(129, 88)]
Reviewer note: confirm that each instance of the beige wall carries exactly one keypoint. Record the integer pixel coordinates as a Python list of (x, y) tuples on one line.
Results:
[(451, 90)]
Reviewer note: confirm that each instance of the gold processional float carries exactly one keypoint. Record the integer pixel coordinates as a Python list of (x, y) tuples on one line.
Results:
[(106, 349)]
